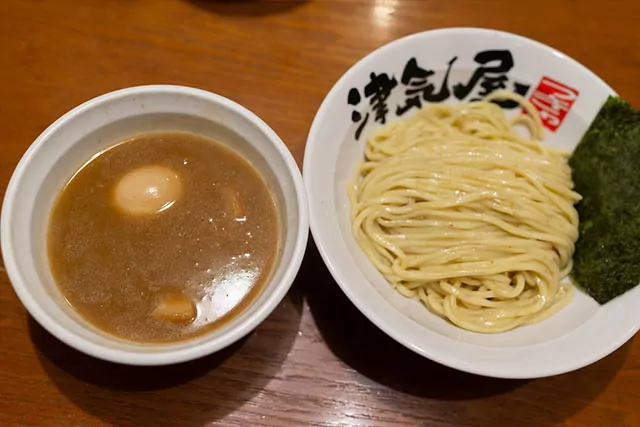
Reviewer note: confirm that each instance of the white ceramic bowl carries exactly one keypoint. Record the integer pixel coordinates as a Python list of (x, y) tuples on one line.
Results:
[(99, 123), (568, 97)]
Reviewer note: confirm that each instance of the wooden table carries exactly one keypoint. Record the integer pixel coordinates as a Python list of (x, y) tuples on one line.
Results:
[(316, 361)]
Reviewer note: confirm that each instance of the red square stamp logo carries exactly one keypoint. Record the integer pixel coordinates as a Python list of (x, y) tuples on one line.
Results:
[(553, 100)]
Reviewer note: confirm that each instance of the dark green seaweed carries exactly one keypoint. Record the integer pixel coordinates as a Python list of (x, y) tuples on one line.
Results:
[(606, 172)]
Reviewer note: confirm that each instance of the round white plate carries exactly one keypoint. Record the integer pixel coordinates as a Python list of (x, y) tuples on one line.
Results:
[(453, 65)]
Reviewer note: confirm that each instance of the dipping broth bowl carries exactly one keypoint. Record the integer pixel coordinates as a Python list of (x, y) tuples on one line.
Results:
[(100, 123)]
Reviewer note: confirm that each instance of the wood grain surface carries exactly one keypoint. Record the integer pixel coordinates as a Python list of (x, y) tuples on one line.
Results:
[(316, 360)]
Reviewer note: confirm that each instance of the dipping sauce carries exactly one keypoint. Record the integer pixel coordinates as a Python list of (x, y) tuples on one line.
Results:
[(163, 237)]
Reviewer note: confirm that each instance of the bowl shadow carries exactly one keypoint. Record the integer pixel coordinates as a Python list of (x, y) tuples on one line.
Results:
[(368, 350), (196, 392), (247, 7)]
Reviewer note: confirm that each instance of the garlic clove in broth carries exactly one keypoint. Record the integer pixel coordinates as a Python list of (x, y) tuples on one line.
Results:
[(176, 308), (233, 203)]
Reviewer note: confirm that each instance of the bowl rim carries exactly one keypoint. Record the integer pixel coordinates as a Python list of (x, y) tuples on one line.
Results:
[(337, 268), (168, 356)]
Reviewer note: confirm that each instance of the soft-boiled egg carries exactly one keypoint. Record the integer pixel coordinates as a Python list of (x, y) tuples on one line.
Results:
[(147, 190)]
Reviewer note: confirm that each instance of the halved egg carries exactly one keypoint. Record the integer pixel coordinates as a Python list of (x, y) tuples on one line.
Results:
[(147, 190)]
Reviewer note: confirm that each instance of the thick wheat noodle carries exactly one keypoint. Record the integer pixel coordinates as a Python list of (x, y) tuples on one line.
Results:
[(454, 207)]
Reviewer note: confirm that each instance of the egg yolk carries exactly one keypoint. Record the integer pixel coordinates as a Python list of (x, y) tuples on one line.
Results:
[(147, 190)]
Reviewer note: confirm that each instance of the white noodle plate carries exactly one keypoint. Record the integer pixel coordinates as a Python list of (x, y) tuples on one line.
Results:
[(569, 97)]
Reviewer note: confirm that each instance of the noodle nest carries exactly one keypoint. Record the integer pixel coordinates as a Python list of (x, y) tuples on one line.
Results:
[(457, 209)]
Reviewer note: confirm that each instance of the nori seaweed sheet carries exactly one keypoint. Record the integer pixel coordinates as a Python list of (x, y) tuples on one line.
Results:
[(606, 172)]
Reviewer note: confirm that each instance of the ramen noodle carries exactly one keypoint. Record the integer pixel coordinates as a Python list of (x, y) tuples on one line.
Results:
[(457, 209)]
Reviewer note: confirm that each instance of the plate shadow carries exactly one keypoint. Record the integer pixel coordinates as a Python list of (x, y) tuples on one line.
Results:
[(248, 7), (368, 350), (196, 392)]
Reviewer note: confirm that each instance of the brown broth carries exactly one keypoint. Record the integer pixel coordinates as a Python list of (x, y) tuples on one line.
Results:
[(216, 245)]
